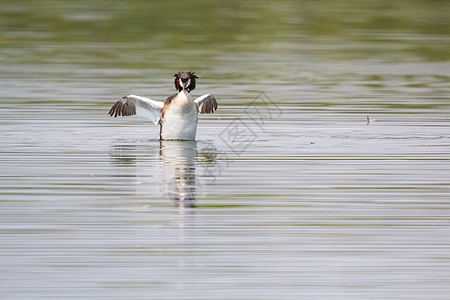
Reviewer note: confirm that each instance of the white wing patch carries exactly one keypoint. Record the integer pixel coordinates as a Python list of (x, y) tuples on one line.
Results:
[(139, 106)]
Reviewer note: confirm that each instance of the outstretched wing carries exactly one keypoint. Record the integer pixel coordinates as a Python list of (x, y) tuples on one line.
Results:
[(139, 106), (206, 104)]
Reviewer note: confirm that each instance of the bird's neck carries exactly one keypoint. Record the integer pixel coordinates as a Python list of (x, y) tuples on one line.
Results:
[(183, 98)]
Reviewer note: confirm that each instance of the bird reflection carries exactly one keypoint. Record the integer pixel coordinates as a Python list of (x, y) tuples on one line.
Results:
[(179, 172), (180, 161)]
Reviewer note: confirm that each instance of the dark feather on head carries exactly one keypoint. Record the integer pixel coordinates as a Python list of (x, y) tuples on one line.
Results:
[(188, 78)]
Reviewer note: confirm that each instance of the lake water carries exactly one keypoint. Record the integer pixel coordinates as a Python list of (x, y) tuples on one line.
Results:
[(324, 174)]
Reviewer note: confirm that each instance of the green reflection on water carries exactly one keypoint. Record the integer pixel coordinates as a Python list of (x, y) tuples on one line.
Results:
[(417, 28)]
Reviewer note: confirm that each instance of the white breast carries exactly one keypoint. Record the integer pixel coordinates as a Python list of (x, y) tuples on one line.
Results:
[(180, 119)]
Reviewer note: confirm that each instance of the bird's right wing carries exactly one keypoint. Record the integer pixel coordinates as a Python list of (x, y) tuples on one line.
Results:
[(206, 104), (139, 106)]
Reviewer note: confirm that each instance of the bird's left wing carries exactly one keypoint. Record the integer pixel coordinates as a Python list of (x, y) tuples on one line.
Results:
[(206, 104), (139, 106)]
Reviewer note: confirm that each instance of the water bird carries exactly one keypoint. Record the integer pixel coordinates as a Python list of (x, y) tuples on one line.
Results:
[(177, 116)]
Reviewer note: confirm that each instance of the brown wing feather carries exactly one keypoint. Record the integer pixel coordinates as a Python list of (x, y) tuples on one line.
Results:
[(123, 108), (209, 105)]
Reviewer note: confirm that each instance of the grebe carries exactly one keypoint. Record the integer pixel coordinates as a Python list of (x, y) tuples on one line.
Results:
[(177, 116)]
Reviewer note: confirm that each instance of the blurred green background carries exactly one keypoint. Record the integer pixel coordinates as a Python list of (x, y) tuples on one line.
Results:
[(158, 33)]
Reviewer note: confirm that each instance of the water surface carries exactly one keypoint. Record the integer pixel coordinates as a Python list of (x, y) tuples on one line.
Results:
[(288, 193)]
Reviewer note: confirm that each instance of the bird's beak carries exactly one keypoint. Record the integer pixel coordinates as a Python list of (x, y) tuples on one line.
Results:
[(181, 83)]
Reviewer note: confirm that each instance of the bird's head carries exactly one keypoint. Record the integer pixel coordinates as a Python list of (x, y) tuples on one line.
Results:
[(185, 80)]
